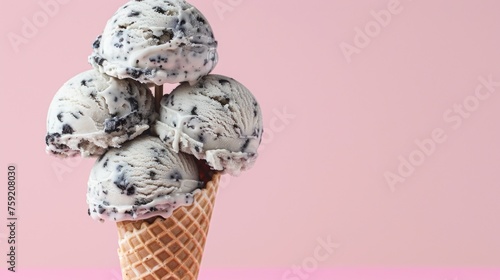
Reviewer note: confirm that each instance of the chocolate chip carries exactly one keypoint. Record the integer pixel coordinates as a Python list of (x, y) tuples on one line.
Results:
[(67, 129), (134, 14), (142, 201), (245, 145), (159, 10), (176, 176), (121, 182), (113, 125), (223, 81), (201, 20), (99, 60), (193, 112), (131, 191), (135, 73), (134, 105), (97, 42)]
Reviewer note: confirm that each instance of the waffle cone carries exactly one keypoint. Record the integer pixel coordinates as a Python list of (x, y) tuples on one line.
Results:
[(168, 249)]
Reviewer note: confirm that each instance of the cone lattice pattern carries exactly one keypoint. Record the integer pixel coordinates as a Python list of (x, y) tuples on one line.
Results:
[(168, 249)]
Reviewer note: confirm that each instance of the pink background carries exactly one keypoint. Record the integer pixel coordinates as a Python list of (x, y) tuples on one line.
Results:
[(335, 125)]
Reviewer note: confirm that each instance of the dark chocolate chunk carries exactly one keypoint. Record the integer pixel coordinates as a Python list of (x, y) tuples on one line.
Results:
[(134, 105), (67, 129), (201, 20), (223, 81), (159, 10), (131, 190), (135, 73), (97, 42), (113, 125), (121, 182), (134, 14), (193, 112), (99, 60), (176, 176), (59, 117), (142, 201), (245, 145), (101, 157)]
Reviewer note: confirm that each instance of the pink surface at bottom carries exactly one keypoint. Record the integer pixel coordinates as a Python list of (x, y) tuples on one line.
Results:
[(276, 274)]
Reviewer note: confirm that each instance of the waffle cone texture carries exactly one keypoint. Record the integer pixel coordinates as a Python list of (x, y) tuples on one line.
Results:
[(168, 249)]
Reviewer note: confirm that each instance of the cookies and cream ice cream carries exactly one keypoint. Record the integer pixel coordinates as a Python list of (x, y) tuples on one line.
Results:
[(142, 179), (93, 112), (158, 185), (217, 119), (156, 41)]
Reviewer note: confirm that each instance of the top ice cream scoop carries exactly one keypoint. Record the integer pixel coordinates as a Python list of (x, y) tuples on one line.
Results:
[(217, 119), (156, 41), (93, 112)]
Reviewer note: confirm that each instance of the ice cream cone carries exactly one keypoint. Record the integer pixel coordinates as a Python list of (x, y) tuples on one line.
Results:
[(172, 248)]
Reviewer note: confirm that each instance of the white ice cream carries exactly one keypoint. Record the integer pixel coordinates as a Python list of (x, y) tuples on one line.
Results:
[(156, 41), (93, 112), (142, 179), (216, 119)]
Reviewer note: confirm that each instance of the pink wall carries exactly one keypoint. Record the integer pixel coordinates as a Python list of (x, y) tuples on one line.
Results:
[(346, 99)]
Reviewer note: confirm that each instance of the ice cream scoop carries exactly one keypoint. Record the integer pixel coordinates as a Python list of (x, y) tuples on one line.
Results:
[(142, 179), (156, 41), (217, 119), (93, 112)]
